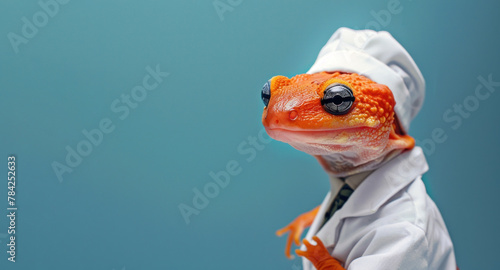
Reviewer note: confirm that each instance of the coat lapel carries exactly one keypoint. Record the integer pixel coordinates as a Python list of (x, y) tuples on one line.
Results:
[(375, 190)]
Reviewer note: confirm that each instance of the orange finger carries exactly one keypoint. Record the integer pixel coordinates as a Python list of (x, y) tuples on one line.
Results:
[(297, 234), (318, 242), (301, 252), (282, 231), (288, 247), (307, 244)]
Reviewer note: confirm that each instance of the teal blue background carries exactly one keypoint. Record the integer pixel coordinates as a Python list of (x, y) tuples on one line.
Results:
[(119, 208)]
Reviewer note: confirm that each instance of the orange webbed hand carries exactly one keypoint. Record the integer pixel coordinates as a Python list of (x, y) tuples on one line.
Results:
[(319, 256), (296, 227)]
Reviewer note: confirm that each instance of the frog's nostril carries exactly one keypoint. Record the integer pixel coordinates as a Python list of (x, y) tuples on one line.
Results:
[(293, 115)]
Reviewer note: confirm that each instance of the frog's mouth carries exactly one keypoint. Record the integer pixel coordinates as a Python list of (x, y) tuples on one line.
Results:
[(332, 136), (324, 142)]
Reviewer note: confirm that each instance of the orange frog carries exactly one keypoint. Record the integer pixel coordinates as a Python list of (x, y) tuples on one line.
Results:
[(332, 116), (350, 124)]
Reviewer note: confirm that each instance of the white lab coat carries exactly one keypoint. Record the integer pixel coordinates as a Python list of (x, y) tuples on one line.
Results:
[(388, 223)]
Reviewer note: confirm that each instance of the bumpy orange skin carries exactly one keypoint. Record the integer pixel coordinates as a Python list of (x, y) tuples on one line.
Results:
[(344, 144), (373, 105)]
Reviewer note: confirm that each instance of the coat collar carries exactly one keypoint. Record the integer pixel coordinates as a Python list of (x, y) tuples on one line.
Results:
[(373, 192)]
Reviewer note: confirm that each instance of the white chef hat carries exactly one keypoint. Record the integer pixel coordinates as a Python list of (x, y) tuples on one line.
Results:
[(378, 56)]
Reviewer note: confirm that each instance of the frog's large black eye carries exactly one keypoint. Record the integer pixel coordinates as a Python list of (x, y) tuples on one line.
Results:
[(337, 99), (266, 93)]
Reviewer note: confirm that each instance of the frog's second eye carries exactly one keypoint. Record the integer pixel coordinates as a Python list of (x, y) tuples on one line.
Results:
[(266, 93), (337, 99)]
